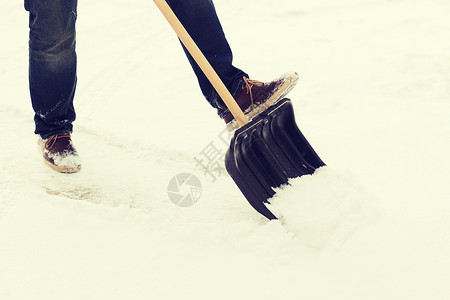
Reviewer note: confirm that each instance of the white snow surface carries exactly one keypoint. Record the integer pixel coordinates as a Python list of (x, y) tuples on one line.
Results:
[(373, 100)]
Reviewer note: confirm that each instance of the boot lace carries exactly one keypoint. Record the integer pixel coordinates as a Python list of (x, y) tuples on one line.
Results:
[(51, 141), (249, 84)]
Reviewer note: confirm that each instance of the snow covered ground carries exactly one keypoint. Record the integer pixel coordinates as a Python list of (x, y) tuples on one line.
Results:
[(374, 101)]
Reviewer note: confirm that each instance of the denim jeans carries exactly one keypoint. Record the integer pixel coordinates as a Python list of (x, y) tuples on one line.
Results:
[(53, 60)]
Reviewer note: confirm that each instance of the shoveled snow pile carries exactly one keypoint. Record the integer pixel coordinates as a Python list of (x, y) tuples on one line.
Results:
[(323, 209)]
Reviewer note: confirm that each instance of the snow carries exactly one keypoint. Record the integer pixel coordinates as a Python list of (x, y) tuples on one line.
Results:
[(324, 217), (373, 100)]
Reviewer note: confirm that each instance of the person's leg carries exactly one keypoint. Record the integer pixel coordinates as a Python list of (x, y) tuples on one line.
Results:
[(200, 20), (52, 64), (52, 76)]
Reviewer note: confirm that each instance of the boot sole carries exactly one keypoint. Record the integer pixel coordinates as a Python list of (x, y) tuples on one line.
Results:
[(62, 169)]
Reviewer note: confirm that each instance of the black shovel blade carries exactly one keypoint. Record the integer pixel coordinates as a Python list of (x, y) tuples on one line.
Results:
[(268, 151)]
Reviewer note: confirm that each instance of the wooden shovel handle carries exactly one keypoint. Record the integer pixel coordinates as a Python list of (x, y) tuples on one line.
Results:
[(202, 62)]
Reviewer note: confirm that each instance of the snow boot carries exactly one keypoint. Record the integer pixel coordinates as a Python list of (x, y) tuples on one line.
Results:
[(60, 154), (257, 96)]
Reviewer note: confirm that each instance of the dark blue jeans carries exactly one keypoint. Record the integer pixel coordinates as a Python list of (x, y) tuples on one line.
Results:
[(53, 60)]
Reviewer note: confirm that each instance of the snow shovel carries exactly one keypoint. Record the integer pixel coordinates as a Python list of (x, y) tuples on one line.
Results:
[(265, 152)]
